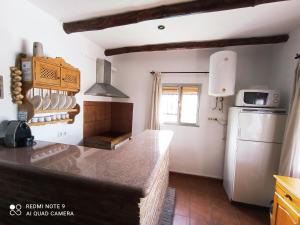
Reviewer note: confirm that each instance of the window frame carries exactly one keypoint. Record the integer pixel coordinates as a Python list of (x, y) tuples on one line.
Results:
[(180, 86)]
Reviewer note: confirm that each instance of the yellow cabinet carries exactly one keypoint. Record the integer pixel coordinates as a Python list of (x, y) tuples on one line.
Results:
[(286, 208), (46, 74), (70, 79), (50, 73)]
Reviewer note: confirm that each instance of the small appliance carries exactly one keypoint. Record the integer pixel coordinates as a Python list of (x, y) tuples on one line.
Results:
[(258, 98), (222, 73), (18, 134)]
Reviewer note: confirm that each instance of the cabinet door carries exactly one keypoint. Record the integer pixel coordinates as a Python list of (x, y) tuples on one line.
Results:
[(283, 217), (256, 162), (46, 74), (283, 214), (264, 127), (70, 79)]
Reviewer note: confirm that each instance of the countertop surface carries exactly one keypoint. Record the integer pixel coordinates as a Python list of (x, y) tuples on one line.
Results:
[(131, 166)]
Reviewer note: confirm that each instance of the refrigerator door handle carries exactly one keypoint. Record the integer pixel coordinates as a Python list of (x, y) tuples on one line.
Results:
[(265, 111)]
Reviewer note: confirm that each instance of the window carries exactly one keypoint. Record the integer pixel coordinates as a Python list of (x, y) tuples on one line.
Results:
[(180, 104)]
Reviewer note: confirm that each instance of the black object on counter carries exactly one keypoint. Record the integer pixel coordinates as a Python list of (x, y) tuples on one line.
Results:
[(18, 134)]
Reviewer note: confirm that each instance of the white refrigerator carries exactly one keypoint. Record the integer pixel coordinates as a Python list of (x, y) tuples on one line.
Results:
[(253, 145)]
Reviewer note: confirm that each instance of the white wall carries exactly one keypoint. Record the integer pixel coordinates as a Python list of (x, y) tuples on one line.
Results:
[(194, 150), (22, 23), (284, 66)]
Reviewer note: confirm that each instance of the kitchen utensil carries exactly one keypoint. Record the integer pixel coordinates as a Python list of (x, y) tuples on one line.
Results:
[(38, 49), (62, 101), (29, 94), (46, 102), (68, 102), (41, 119), (37, 102), (54, 100), (63, 116), (73, 102)]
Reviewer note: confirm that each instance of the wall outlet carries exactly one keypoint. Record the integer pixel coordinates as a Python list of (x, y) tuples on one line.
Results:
[(213, 118), (62, 133), (1, 88)]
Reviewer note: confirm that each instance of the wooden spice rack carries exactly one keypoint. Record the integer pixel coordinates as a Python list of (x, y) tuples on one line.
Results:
[(53, 75)]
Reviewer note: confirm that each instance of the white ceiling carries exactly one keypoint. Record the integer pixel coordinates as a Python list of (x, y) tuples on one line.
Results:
[(263, 20), (69, 10)]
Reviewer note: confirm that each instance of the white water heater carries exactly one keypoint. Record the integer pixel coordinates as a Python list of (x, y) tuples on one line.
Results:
[(222, 73)]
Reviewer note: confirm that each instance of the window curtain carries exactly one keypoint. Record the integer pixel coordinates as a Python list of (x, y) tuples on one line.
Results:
[(155, 103), (290, 153)]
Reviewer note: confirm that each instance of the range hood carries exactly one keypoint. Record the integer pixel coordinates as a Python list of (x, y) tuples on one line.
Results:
[(103, 86)]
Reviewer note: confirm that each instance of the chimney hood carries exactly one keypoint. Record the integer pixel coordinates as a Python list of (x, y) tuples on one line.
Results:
[(103, 86)]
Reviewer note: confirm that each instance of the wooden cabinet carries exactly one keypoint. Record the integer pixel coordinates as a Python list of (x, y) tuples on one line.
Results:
[(51, 73), (49, 76), (286, 209), (46, 74), (70, 79)]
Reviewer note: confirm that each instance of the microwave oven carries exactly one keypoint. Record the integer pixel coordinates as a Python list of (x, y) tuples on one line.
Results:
[(258, 98)]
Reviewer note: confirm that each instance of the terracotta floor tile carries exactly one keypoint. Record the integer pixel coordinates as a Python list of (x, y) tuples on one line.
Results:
[(199, 221), (180, 182), (200, 207), (250, 216), (221, 203), (221, 215), (203, 201), (182, 208), (182, 197), (180, 220)]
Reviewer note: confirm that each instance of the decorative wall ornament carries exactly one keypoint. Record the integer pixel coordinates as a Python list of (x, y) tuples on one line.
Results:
[(16, 85)]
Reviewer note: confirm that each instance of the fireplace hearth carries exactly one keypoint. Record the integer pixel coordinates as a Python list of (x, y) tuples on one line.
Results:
[(107, 124)]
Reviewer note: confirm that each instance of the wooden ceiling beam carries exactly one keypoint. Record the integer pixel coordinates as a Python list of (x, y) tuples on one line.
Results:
[(198, 45), (159, 12)]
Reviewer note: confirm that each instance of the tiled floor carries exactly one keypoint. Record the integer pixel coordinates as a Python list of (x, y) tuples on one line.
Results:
[(203, 201)]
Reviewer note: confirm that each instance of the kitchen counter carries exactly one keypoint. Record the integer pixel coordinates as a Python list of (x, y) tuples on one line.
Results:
[(81, 177)]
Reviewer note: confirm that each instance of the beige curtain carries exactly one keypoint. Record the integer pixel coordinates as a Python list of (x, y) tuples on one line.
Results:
[(290, 153), (155, 104)]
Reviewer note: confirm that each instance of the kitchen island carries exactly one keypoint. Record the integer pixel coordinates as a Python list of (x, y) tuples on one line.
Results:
[(62, 184)]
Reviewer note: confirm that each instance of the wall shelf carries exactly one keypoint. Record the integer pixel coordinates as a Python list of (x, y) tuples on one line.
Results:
[(55, 111), (51, 122), (48, 75)]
